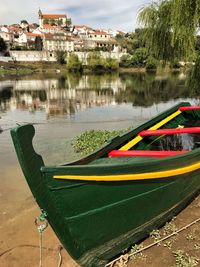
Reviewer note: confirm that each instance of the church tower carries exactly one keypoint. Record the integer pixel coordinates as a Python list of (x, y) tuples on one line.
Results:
[(40, 17)]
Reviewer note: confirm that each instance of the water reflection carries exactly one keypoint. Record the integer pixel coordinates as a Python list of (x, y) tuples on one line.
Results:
[(146, 89), (70, 94)]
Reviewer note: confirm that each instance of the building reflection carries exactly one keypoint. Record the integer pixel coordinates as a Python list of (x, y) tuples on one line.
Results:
[(70, 94), (63, 96)]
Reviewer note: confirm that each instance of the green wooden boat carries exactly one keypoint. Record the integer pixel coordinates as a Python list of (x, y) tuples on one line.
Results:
[(102, 204)]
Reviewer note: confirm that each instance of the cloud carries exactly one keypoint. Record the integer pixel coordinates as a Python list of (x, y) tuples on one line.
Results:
[(115, 14)]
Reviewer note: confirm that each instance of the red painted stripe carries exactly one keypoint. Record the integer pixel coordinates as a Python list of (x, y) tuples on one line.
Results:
[(144, 153), (189, 108), (170, 131)]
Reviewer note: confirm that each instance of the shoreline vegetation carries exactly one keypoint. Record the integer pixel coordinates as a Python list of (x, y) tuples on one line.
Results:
[(11, 69)]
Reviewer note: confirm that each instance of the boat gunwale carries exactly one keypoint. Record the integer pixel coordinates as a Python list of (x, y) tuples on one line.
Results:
[(120, 140)]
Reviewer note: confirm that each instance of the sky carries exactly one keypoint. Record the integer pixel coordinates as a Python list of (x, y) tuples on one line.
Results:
[(105, 14)]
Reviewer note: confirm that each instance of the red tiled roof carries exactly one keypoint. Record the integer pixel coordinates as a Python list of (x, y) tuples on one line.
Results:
[(53, 16), (32, 34), (47, 26)]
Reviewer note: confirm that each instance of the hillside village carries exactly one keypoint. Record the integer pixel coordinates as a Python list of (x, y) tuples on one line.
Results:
[(55, 32)]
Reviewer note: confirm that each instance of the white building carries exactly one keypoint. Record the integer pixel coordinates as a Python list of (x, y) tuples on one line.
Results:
[(27, 37), (7, 36), (53, 19), (58, 43)]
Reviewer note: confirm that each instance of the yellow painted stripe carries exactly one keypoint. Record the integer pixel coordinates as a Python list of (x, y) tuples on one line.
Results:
[(138, 138), (132, 177)]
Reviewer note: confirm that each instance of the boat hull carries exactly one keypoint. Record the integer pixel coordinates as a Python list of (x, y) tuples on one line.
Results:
[(97, 219)]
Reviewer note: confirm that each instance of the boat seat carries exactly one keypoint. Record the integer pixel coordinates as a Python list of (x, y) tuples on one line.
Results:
[(189, 108), (190, 130), (144, 153)]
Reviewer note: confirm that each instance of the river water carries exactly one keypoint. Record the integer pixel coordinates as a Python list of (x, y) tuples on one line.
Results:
[(63, 107)]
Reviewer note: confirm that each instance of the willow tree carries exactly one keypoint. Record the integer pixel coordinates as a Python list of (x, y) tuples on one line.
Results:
[(170, 27)]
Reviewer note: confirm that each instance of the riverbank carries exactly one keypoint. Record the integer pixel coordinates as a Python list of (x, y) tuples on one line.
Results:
[(11, 69)]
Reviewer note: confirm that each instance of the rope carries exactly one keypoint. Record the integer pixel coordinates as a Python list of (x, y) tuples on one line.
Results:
[(40, 245), (60, 255), (41, 228), (125, 257)]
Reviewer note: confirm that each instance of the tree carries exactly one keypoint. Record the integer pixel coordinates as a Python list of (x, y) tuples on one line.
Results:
[(61, 57), (94, 61), (170, 27), (3, 45), (24, 21), (111, 64), (38, 43), (74, 64), (170, 30)]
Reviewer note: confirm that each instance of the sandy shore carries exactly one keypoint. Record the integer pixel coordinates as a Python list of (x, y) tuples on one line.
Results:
[(19, 242)]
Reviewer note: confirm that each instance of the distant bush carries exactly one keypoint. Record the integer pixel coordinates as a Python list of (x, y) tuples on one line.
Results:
[(74, 64), (137, 59), (125, 61), (110, 64), (96, 63), (151, 63)]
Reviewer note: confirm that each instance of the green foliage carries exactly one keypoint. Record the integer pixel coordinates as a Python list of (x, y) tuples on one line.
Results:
[(184, 260), (74, 64), (61, 57), (38, 43), (59, 22), (46, 21), (3, 45), (131, 41), (89, 141), (24, 21), (138, 59), (98, 64), (170, 28), (94, 61), (193, 77), (52, 22), (125, 61), (175, 64), (151, 63), (110, 64)]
